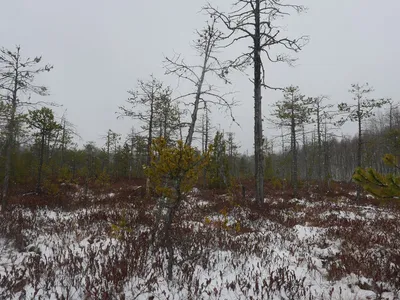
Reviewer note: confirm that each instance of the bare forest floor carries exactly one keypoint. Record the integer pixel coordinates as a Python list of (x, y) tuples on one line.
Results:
[(320, 245)]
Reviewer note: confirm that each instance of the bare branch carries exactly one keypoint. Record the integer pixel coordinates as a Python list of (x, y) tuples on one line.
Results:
[(207, 43)]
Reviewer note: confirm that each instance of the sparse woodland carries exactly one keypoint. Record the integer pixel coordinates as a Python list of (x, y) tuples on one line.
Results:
[(176, 209)]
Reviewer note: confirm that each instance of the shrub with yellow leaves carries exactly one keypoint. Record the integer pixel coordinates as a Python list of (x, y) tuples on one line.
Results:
[(174, 169)]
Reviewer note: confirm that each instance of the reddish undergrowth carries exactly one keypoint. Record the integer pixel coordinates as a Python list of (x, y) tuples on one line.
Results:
[(368, 231)]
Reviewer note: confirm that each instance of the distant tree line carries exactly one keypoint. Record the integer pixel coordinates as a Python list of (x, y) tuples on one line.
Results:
[(38, 148), (310, 147)]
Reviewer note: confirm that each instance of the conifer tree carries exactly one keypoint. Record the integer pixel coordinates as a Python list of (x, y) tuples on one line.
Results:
[(362, 109), (380, 185), (142, 105), (42, 120), (17, 75), (293, 112), (173, 171), (218, 170)]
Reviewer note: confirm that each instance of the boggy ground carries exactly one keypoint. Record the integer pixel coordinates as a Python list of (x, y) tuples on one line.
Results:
[(320, 245)]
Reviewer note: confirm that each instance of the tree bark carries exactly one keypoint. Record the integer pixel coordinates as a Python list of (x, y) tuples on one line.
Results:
[(294, 153), (258, 132), (326, 156), (359, 147), (150, 140), (308, 169), (196, 103), (169, 243), (10, 136), (40, 167), (131, 159), (63, 146), (9, 150), (319, 141)]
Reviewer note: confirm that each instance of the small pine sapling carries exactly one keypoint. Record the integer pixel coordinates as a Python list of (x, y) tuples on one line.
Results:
[(173, 171), (380, 185)]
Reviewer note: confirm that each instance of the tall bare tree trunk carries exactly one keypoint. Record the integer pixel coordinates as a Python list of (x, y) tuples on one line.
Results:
[(63, 147), (150, 140), (359, 149), (10, 136), (245, 17), (258, 132), (196, 103), (131, 158), (41, 159), (294, 153), (308, 169), (319, 141), (9, 150), (326, 157), (169, 242), (207, 129)]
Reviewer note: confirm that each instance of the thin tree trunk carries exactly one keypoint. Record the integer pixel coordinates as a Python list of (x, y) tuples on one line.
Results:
[(283, 155), (320, 151), (258, 135), (326, 156), (63, 144), (73, 166), (203, 148), (131, 160), (9, 150), (359, 149), (305, 150), (207, 134), (169, 243), (87, 177), (192, 125), (10, 137), (149, 141), (294, 153), (165, 125), (41, 158)]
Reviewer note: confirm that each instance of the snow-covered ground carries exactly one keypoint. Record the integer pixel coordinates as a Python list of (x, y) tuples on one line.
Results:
[(306, 250)]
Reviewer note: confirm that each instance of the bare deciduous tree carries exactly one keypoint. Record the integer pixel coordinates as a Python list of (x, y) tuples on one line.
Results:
[(255, 20), (17, 75), (206, 46)]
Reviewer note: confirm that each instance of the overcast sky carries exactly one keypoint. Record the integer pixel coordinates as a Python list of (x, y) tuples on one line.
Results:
[(100, 48)]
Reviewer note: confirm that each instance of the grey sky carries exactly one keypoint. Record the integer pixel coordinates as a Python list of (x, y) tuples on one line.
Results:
[(100, 48)]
